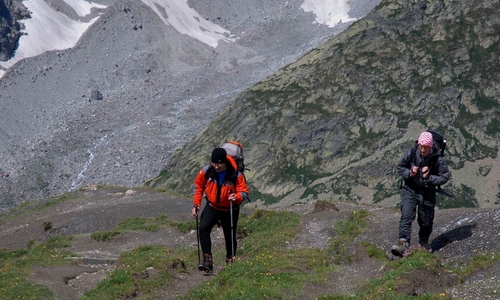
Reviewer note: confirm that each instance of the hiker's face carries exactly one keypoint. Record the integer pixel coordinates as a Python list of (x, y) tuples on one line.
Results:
[(219, 167), (424, 150)]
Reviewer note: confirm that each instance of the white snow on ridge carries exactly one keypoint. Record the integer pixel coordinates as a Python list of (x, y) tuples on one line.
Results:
[(47, 30), (186, 20), (52, 30), (329, 12), (83, 8)]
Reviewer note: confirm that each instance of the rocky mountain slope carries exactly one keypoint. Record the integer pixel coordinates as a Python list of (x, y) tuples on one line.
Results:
[(11, 11), (112, 109), (334, 124)]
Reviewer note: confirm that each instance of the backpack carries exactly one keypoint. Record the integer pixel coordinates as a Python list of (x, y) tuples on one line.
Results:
[(439, 141), (235, 150)]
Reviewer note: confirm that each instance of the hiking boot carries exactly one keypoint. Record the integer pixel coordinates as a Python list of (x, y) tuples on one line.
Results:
[(207, 261), (424, 244), (400, 248), (229, 261)]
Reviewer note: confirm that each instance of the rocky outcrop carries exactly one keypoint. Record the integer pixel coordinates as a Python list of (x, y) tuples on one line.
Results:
[(11, 11), (334, 124)]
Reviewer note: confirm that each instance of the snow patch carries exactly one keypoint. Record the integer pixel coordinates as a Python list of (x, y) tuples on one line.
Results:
[(48, 30), (52, 30), (329, 12), (83, 8), (186, 20)]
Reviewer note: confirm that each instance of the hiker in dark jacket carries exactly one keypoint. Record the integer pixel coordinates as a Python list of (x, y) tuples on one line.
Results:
[(224, 189), (423, 170)]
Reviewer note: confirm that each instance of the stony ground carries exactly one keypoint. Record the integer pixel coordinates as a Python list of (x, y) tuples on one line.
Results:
[(459, 234)]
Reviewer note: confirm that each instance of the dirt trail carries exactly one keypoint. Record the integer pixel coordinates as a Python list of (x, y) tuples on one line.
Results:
[(459, 234)]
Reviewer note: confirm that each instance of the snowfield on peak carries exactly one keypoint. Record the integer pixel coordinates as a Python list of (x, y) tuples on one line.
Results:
[(329, 12), (49, 29)]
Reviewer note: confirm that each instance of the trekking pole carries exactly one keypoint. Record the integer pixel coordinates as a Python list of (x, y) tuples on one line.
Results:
[(232, 236), (198, 238)]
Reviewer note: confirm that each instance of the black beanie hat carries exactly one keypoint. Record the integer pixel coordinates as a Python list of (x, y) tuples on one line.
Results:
[(219, 156)]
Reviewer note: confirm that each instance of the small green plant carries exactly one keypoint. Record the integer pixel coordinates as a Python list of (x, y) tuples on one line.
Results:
[(47, 225), (104, 235), (138, 223), (374, 251)]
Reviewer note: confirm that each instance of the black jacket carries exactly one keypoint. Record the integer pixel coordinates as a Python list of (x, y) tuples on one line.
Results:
[(439, 173)]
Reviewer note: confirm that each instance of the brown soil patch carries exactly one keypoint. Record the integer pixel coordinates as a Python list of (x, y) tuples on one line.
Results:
[(424, 280)]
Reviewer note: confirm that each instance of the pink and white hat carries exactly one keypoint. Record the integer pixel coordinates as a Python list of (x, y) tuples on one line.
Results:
[(425, 139)]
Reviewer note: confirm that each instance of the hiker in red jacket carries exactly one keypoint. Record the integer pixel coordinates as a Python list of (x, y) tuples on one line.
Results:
[(224, 189)]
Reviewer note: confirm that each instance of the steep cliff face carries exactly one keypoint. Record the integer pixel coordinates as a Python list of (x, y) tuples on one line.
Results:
[(11, 11), (335, 123)]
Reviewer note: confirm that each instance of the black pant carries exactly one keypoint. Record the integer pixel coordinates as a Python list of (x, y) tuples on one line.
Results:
[(209, 218), (425, 201)]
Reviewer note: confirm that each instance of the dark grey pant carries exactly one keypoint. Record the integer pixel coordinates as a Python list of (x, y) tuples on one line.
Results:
[(209, 218), (413, 202)]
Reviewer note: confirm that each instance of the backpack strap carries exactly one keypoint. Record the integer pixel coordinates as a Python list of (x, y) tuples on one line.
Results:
[(413, 159)]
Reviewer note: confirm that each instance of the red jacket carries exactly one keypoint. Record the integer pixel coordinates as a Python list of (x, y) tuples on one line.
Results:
[(206, 183)]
